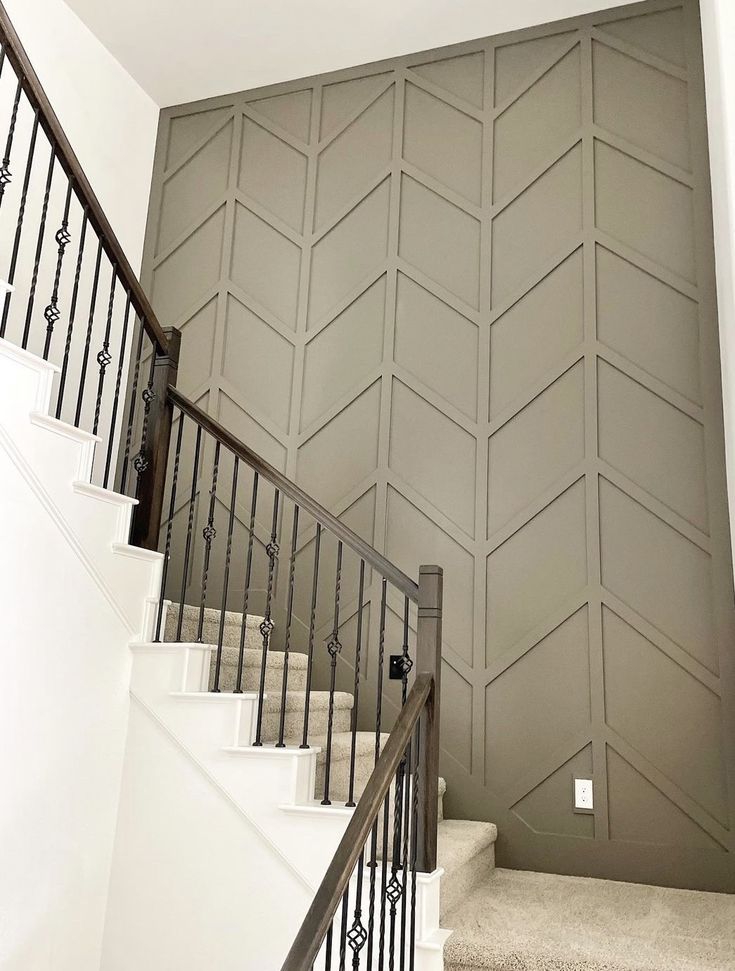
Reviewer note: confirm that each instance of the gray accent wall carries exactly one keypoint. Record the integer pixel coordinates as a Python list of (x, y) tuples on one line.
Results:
[(466, 298)]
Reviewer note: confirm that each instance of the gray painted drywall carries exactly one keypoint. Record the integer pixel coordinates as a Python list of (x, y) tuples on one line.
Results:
[(467, 299)]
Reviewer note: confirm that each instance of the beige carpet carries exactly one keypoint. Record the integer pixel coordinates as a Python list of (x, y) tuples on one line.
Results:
[(521, 921)]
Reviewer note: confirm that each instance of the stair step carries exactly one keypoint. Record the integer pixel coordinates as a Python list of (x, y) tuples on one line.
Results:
[(339, 773), (295, 707), (211, 625), (466, 851), (528, 921), (252, 661)]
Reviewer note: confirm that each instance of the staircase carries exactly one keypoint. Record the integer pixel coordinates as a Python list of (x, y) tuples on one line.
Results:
[(268, 818), (466, 849)]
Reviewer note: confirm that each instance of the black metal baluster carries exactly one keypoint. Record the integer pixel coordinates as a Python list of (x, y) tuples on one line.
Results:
[(356, 688), (19, 224), (189, 526), (334, 647), (226, 578), (140, 462), (406, 662), (394, 889), (372, 866), (5, 173), (312, 627), (383, 883), (381, 658), (266, 626), (63, 238), (328, 950), (414, 845), (289, 617), (131, 412), (357, 935), (39, 249), (169, 527), (116, 396), (343, 929), (72, 314), (246, 589), (404, 855), (104, 357), (88, 339), (208, 534)]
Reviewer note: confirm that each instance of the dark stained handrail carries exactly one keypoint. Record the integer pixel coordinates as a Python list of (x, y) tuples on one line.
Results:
[(302, 499), (313, 930), (48, 120)]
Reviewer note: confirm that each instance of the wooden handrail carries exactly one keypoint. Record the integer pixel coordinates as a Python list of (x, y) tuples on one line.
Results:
[(49, 122), (313, 930), (302, 499)]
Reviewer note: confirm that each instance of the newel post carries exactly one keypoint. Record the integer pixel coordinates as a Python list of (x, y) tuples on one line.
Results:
[(152, 480), (428, 661)]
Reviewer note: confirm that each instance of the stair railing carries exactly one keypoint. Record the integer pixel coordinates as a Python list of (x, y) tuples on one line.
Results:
[(71, 295), (221, 515)]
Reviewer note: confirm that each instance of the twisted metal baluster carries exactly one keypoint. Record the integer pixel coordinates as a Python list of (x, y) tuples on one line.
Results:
[(140, 462), (104, 358), (226, 579), (39, 249), (208, 533), (88, 339), (372, 866), (334, 647), (6, 175), (312, 627), (404, 856), (246, 589), (356, 687), (394, 890), (414, 847), (383, 882), (381, 658), (72, 314), (357, 934), (266, 627), (131, 412), (289, 617), (63, 238), (406, 662), (169, 527), (189, 527), (19, 224), (116, 396), (343, 928)]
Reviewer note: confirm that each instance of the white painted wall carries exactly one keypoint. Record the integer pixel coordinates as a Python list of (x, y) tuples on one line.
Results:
[(718, 36), (178, 831), (70, 605), (110, 121), (188, 51)]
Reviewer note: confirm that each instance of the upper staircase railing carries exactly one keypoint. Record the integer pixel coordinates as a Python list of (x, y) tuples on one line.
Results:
[(71, 291), (221, 514)]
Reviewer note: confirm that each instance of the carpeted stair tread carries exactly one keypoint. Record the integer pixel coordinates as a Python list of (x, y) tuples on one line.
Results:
[(523, 921), (253, 658), (212, 615), (318, 701)]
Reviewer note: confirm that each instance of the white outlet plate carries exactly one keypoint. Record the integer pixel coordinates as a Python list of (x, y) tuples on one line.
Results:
[(583, 796)]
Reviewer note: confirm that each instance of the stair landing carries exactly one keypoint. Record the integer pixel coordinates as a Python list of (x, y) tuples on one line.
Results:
[(521, 921)]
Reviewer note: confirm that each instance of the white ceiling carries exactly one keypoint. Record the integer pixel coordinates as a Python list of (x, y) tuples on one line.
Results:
[(183, 50)]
